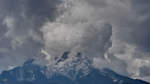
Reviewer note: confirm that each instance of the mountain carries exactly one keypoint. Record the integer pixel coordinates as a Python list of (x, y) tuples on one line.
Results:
[(79, 72)]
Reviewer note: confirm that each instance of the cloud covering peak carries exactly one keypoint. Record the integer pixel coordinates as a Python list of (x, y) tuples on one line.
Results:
[(112, 33)]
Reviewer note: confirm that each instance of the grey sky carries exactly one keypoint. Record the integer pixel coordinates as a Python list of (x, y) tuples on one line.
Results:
[(115, 31)]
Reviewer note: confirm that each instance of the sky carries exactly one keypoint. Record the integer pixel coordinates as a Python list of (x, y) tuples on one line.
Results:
[(112, 33)]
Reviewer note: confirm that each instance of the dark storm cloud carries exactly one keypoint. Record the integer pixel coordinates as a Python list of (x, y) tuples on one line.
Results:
[(44, 9), (139, 30), (20, 22), (97, 39)]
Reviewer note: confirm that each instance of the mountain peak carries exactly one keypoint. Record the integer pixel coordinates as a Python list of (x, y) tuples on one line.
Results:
[(78, 71), (63, 57), (29, 62)]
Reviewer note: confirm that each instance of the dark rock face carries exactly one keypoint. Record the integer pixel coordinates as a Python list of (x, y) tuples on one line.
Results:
[(31, 73)]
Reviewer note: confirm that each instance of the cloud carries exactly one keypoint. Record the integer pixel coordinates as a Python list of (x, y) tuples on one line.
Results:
[(113, 33), (129, 35), (20, 23), (77, 31)]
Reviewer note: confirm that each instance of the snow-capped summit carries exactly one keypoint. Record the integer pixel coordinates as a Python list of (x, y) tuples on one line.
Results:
[(77, 70)]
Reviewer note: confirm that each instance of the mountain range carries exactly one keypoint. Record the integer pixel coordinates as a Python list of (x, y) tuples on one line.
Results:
[(78, 72)]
